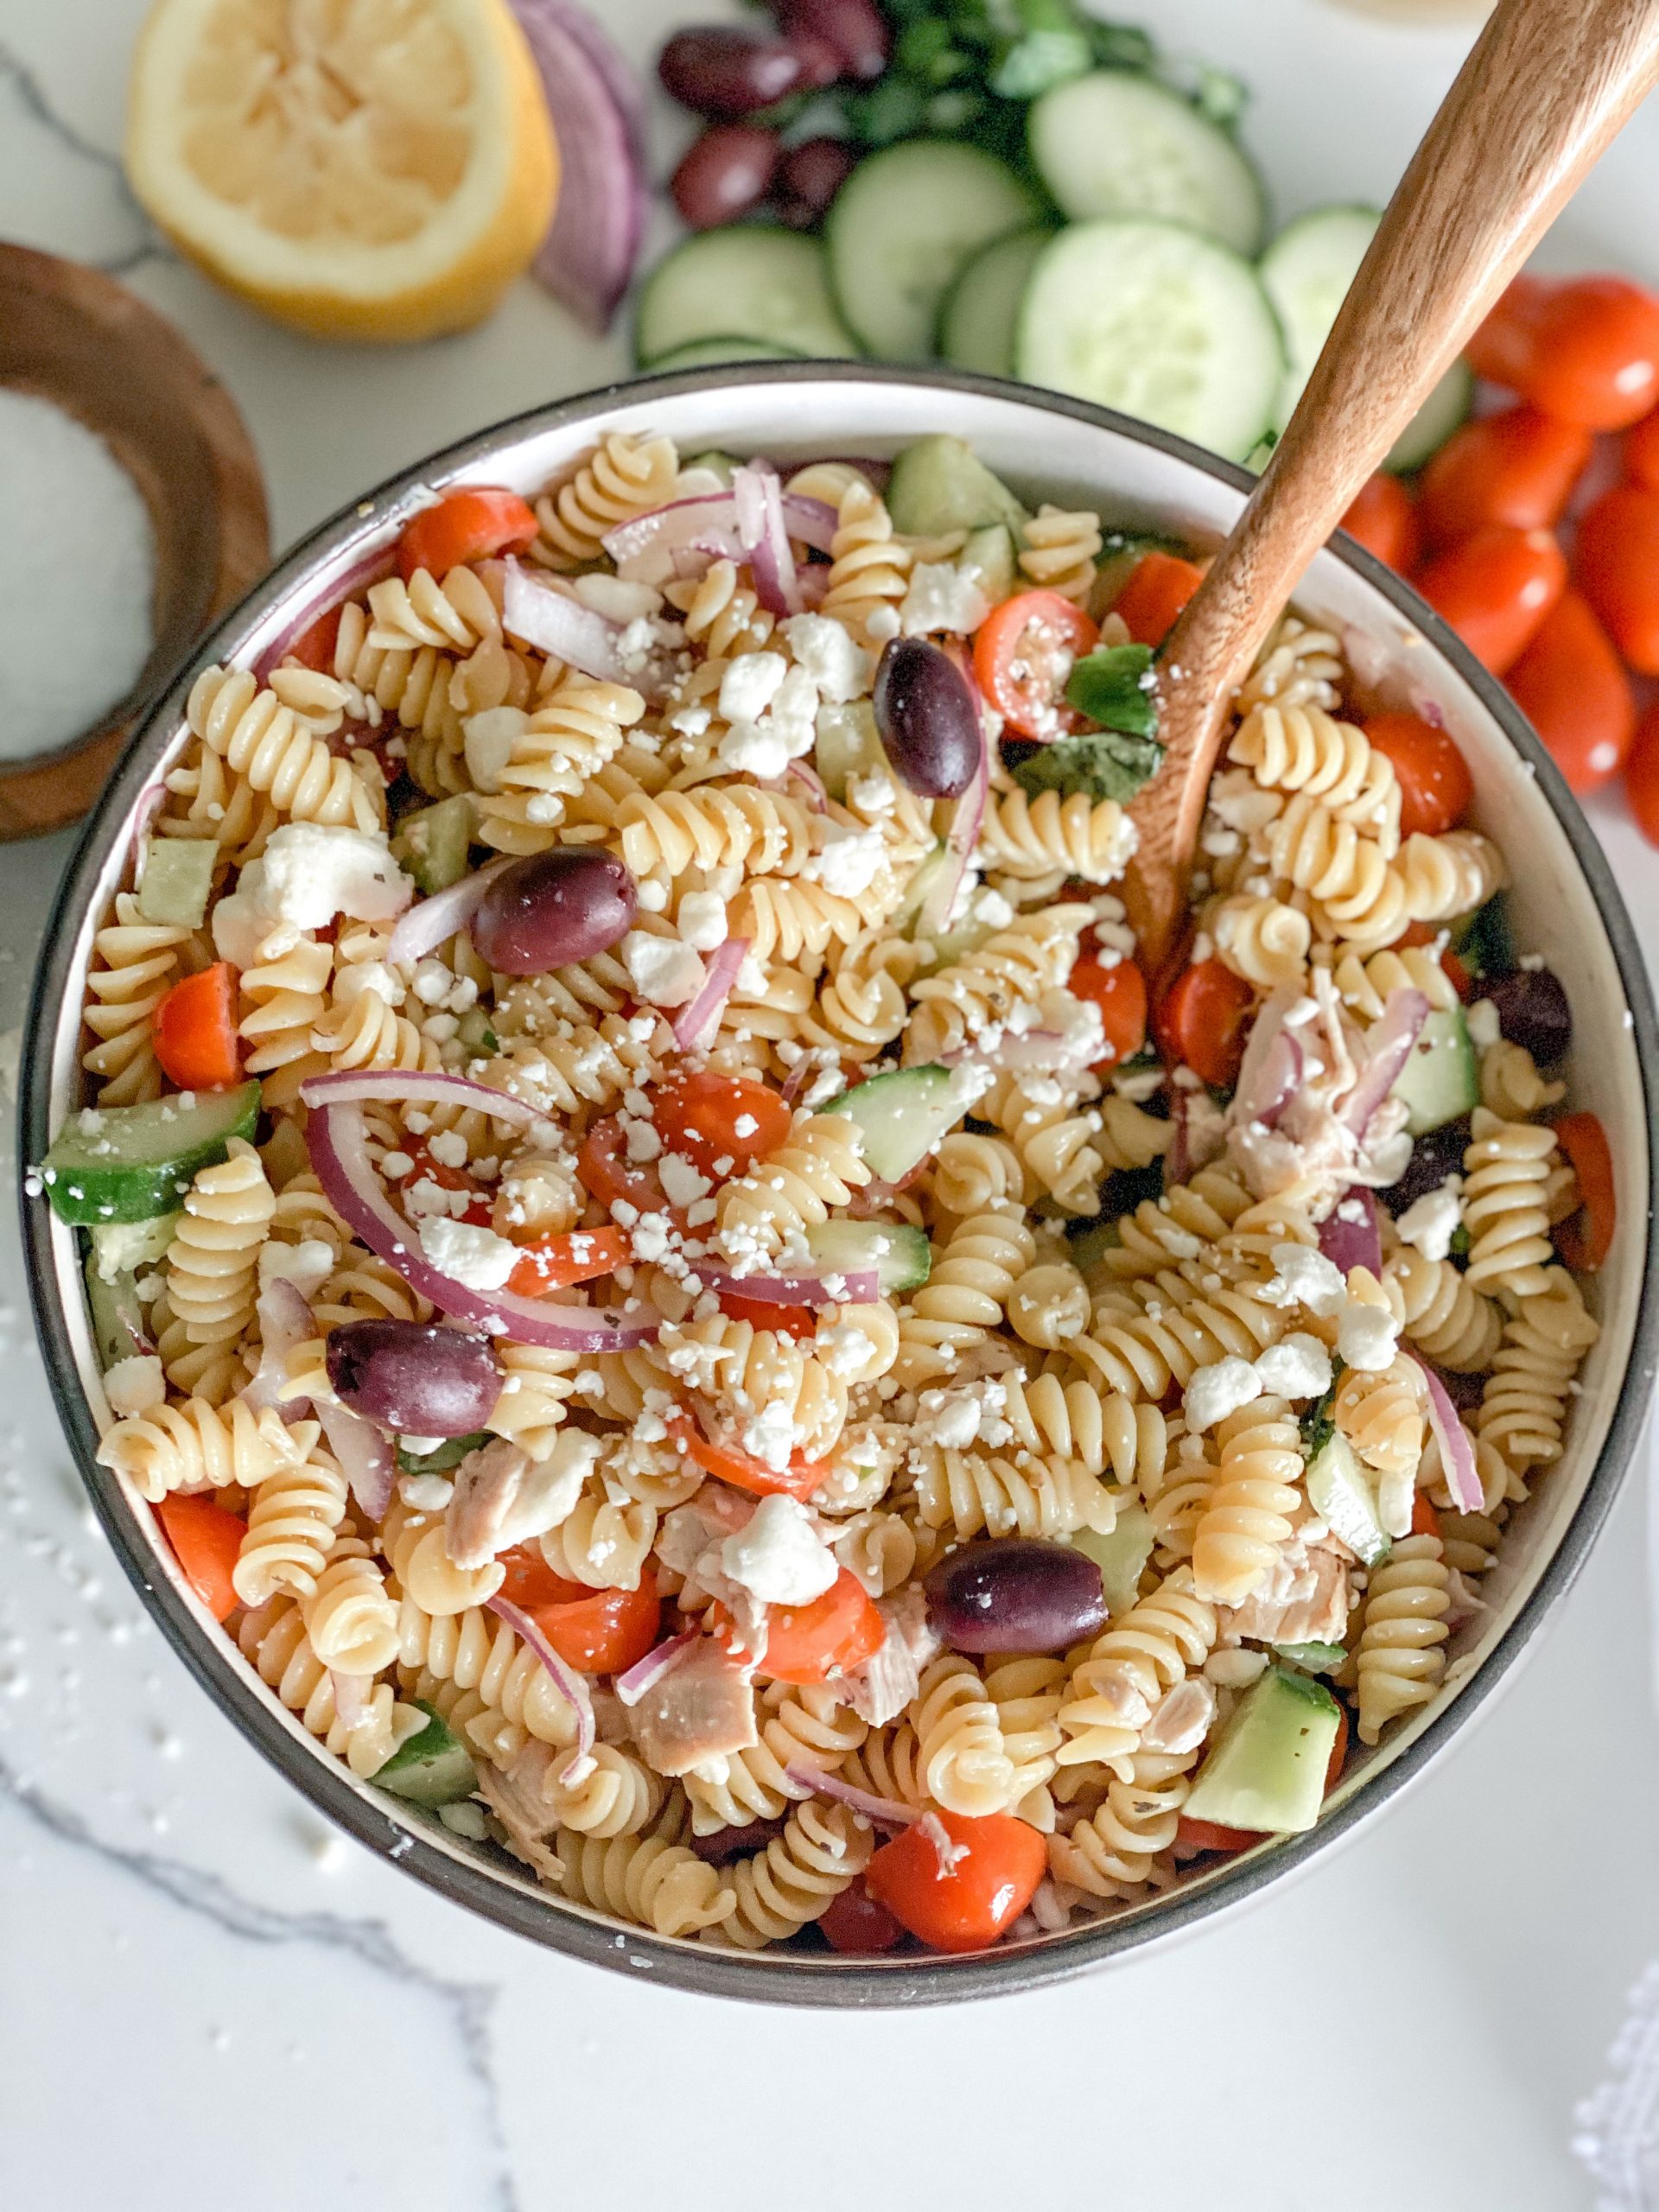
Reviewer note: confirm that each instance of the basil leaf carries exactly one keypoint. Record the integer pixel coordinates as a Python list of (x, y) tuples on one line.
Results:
[(1109, 686), (1318, 1424), (1104, 763), (449, 1454)]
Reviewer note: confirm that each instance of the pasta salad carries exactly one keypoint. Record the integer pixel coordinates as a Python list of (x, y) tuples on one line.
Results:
[(666, 1277)]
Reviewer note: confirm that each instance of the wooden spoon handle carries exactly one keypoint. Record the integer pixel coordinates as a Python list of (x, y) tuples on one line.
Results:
[(1547, 85)]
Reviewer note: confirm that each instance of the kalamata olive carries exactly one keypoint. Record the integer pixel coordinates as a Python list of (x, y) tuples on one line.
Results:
[(927, 718), (809, 177), (853, 28), (726, 1843), (1015, 1593), (1532, 1010), (413, 1377), (727, 72), (554, 907), (1435, 1155), (725, 173)]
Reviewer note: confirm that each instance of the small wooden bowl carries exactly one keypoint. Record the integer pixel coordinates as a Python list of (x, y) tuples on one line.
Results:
[(70, 334)]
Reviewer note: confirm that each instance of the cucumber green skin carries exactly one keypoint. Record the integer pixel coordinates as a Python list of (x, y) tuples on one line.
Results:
[(799, 315), (1120, 557), (1337, 1491), (449, 1454), (977, 318), (104, 1303), (1440, 1081), (727, 346), (848, 745), (86, 1188), (1313, 1658), (433, 843), (1266, 1770), (900, 1254), (989, 556), (434, 1768), (177, 880), (1485, 943), (1121, 1556), (937, 486), (903, 1115)]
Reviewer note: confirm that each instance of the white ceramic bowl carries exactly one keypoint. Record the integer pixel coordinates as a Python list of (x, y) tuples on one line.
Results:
[(1565, 906)]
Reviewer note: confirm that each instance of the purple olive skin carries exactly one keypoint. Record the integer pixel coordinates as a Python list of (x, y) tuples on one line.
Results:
[(414, 1377), (854, 28), (726, 73), (554, 907), (1436, 1155), (1015, 1593), (809, 177), (1532, 1010), (928, 721), (726, 1843), (726, 172)]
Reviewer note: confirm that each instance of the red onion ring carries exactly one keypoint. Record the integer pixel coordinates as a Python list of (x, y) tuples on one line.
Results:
[(368, 569), (700, 1020), (1388, 1047), (959, 846), (632, 1685), (285, 1322), (760, 501), (1353, 1243), (570, 631), (569, 1684), (885, 1812), (365, 1458), (861, 1288), (431, 922), (352, 1087), (710, 523), (1457, 1454)]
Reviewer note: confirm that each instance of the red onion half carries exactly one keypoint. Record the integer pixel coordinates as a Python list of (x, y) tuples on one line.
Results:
[(432, 922), (700, 1020), (759, 497), (885, 1812), (1353, 1243), (285, 1322), (1456, 1452), (859, 1287), (632, 1685), (569, 1685), (1388, 1047), (351, 1087), (958, 849)]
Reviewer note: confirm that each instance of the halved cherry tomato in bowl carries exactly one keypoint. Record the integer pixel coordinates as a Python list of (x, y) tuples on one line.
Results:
[(610, 1176), (425, 1169), (731, 1464), (206, 1541), (1023, 653), (722, 1124), (315, 646), (1585, 1238), (1204, 1020), (575, 1256), (473, 524), (599, 1631), (1120, 992), (800, 1322), (1435, 785), (813, 1642), (193, 1029), (1424, 1522), (961, 1900), (1159, 587)]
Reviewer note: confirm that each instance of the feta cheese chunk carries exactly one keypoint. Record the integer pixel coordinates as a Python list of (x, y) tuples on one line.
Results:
[(831, 656), (702, 920), (942, 597), (136, 1385), (1297, 1367), (779, 1556), (1431, 1221), (306, 1265), (1482, 1023), (749, 685), (467, 1252), (1309, 1278), (1367, 1336), (663, 970), (1215, 1392)]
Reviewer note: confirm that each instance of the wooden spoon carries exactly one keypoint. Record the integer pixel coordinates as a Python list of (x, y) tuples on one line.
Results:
[(1548, 85)]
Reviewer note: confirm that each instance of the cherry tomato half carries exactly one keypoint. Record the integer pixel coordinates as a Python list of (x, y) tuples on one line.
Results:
[(577, 1256), (1617, 559), (1435, 785), (1023, 653), (425, 1169), (722, 1124), (810, 1643), (206, 1541), (599, 1631), (1383, 518), (315, 646), (1203, 1021), (965, 1903), (1425, 1521), (1120, 992), (1495, 588), (610, 1176), (1159, 587), (473, 523), (800, 1322), (1572, 687), (1517, 468), (194, 1030), (1585, 1239), (741, 1469)]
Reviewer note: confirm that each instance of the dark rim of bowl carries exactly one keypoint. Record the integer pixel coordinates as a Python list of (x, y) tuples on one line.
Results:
[(782, 1978)]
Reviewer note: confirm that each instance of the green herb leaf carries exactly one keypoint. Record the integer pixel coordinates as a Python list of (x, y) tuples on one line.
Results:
[(1043, 59), (1460, 1240), (1109, 686), (449, 1454), (1104, 763), (1318, 1424)]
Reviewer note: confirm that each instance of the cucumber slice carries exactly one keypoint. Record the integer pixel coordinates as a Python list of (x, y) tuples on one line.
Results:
[(1159, 322), (910, 906), (129, 1163), (1338, 1490), (901, 1255), (903, 1116), (988, 557), (1440, 1081), (1306, 272), (767, 286), (111, 1302), (432, 844), (1313, 1658), (121, 1248), (976, 321), (939, 484), (1121, 1556), (1116, 142), (848, 745), (177, 880), (435, 1768), (709, 352), (1266, 1770), (904, 226)]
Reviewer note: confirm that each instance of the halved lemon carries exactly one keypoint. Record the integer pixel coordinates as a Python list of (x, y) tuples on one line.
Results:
[(372, 169)]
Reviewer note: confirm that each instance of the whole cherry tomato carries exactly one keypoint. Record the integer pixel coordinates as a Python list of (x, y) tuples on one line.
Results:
[(1518, 467), (1495, 588), (1572, 687), (1383, 518), (1585, 351), (1617, 560)]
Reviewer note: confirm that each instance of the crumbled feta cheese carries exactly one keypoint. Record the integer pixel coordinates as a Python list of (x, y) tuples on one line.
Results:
[(488, 740), (135, 1385), (990, 909), (1215, 1392), (306, 1265), (1482, 1022), (1431, 1221), (312, 872), (692, 721), (849, 859), (425, 1493), (777, 1555), (467, 1252), (831, 656), (448, 1147), (794, 712), (683, 1186), (663, 970), (754, 749), (770, 1435), (1366, 1336), (941, 597), (1297, 1367), (702, 920), (1308, 1279), (750, 684), (948, 1418), (1396, 1494)]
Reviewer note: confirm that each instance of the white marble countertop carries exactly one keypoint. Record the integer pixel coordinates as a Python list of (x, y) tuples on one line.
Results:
[(206, 1996)]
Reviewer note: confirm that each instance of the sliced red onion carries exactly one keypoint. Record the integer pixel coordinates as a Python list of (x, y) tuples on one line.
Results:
[(368, 569), (586, 259), (1456, 1452), (1426, 710), (885, 1812), (1177, 1160), (710, 521), (353, 1087), (632, 1685), (817, 796), (285, 1322), (366, 1458), (1353, 1243), (431, 922), (1388, 1047), (337, 1139), (860, 1286), (806, 1071), (1367, 657), (698, 1022), (959, 847), (620, 81), (556, 623), (350, 1696), (569, 1684), (1260, 1082), (760, 524)]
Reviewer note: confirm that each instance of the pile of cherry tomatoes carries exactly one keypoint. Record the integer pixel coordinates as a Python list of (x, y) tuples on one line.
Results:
[(1535, 529)]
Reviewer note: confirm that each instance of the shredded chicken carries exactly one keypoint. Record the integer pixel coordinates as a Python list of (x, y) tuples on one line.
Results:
[(1305, 1599), (703, 1708), (514, 1796), (501, 1497), (1180, 1721), (879, 1690)]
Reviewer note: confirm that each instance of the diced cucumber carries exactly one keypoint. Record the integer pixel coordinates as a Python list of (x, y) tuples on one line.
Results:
[(1266, 1770), (939, 484), (976, 321), (714, 462), (176, 880), (901, 1255), (1159, 322), (988, 557), (742, 281), (903, 1115), (1116, 142), (112, 1307), (709, 352), (1122, 1555), (442, 1457), (476, 1033), (1308, 272), (903, 228), (129, 1163), (1338, 1491), (435, 1768), (1484, 941), (1120, 555), (121, 1248), (848, 745), (1440, 1081), (927, 871), (1313, 1658), (432, 844)]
